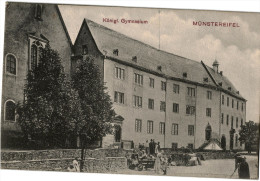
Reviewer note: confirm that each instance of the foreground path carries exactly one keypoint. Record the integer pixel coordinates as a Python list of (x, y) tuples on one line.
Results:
[(210, 168)]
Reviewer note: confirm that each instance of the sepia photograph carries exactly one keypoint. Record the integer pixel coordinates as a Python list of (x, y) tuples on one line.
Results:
[(130, 90)]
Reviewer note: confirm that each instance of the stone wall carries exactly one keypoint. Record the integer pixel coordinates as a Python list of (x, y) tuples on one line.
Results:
[(61, 153), (207, 155), (98, 160), (109, 164)]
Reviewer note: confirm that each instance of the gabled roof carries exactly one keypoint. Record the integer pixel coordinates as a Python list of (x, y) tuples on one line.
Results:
[(150, 58), (64, 26)]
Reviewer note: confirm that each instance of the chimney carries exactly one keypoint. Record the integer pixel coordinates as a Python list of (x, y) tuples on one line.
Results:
[(215, 65), (159, 68), (221, 73), (237, 92)]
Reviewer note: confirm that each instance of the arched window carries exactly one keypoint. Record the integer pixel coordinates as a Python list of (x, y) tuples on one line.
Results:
[(33, 56), (236, 143), (11, 64), (40, 53), (10, 110), (208, 132)]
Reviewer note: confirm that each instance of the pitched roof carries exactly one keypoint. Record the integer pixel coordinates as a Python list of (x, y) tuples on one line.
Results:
[(150, 58), (64, 26)]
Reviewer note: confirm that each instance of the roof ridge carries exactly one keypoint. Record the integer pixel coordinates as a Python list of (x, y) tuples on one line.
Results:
[(121, 34)]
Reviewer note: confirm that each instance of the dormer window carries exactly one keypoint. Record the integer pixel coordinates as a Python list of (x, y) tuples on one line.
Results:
[(38, 12), (115, 52), (184, 75), (134, 59), (159, 68), (229, 88), (84, 50), (205, 79), (220, 84)]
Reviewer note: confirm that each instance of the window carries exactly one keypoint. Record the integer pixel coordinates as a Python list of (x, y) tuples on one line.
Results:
[(190, 110), (191, 130), (222, 118), (175, 108), (161, 128), (134, 59), (232, 121), (10, 110), (176, 88), (190, 146), (227, 119), (119, 97), (120, 73), (237, 122), (208, 112), (232, 103), (237, 105), (162, 106), (138, 79), (209, 95), (138, 125), (149, 127), (36, 49), (151, 83), (38, 12), (227, 101), (174, 146), (115, 52), (137, 101), (191, 91), (150, 104), (33, 56), (242, 106), (163, 86), (242, 122), (84, 49), (175, 129), (223, 100), (236, 143), (11, 64)]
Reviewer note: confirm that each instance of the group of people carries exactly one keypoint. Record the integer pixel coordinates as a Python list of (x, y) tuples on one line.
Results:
[(151, 147)]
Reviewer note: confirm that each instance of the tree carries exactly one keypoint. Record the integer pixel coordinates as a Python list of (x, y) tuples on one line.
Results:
[(95, 103), (249, 135), (50, 111), (94, 100)]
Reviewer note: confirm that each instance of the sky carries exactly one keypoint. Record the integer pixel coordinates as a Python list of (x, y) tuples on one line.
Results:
[(237, 49)]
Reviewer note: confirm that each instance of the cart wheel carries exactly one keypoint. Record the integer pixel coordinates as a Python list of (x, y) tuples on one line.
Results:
[(132, 166), (140, 167)]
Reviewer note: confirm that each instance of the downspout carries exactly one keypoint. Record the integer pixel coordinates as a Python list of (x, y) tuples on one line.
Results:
[(220, 116), (165, 113), (195, 116)]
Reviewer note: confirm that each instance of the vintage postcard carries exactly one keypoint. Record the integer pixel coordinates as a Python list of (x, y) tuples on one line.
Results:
[(140, 91)]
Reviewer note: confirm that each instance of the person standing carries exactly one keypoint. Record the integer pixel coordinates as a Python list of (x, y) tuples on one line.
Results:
[(157, 163), (76, 165), (159, 147), (243, 171), (156, 149), (146, 147), (151, 147)]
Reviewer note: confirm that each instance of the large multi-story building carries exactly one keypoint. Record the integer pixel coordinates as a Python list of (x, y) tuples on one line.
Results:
[(28, 28), (158, 95)]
